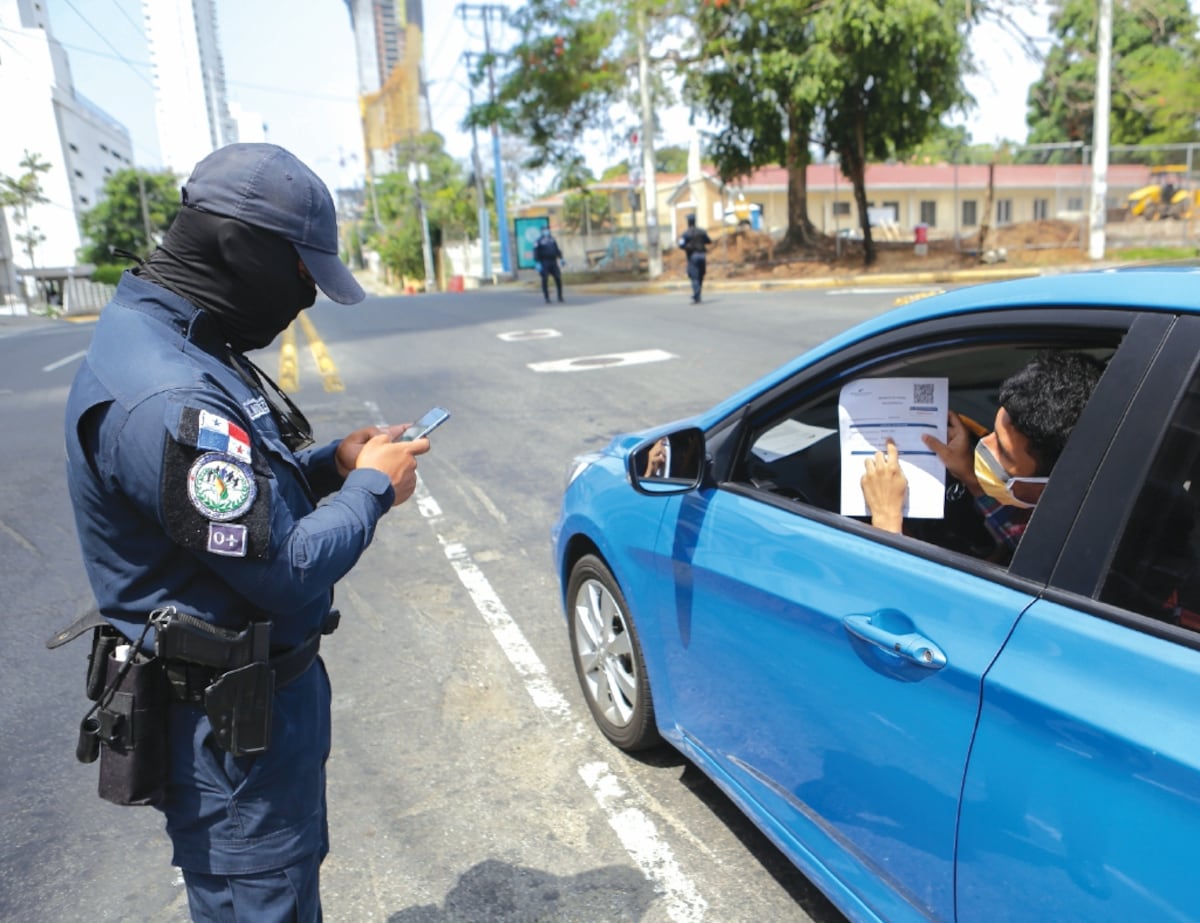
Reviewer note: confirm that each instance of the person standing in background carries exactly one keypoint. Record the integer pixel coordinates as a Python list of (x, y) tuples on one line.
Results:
[(695, 243), (548, 257)]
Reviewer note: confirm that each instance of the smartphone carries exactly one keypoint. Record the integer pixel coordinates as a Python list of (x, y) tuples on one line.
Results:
[(426, 425)]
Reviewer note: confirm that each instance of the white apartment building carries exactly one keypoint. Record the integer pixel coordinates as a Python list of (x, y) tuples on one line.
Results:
[(45, 116), (191, 106)]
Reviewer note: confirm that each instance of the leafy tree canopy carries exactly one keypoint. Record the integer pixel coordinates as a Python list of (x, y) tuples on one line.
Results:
[(119, 221), (447, 195), (587, 212), (1155, 74), (572, 67), (671, 159), (882, 75)]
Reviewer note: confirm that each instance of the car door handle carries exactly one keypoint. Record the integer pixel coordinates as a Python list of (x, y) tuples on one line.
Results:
[(909, 645)]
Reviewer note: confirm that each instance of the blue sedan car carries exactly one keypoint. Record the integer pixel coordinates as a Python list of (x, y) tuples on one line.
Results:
[(930, 725)]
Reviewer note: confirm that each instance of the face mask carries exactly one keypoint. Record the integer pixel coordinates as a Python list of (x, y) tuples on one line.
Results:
[(997, 484), (247, 278)]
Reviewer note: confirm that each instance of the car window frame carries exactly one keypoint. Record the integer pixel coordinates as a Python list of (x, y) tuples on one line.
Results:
[(1090, 546), (1140, 334)]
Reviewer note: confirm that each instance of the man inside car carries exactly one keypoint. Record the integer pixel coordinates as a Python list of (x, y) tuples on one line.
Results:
[(1006, 470)]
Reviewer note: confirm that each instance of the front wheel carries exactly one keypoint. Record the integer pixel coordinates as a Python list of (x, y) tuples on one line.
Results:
[(608, 657)]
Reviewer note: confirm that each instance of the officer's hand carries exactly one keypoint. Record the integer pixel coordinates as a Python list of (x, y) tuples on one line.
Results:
[(348, 448), (398, 460)]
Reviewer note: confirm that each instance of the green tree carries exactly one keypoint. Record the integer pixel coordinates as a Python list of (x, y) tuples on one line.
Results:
[(612, 171), (586, 211), (952, 144), (671, 159), (1155, 74), (136, 208), (882, 74), (449, 203), (21, 193), (573, 66), (754, 86)]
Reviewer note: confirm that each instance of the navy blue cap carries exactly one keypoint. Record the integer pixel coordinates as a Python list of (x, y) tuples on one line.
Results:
[(269, 188)]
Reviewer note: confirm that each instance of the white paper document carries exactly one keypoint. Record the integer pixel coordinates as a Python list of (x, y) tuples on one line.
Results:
[(787, 438), (870, 410)]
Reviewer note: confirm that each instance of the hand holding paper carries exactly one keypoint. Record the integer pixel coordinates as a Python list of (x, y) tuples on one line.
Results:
[(872, 411)]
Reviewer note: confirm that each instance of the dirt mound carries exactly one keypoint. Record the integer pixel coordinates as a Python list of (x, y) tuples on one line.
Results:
[(742, 253), (1031, 234)]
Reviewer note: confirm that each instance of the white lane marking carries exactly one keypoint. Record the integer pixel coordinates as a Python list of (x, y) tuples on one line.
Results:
[(544, 333), (66, 361), (633, 827), (507, 633), (607, 361), (640, 838)]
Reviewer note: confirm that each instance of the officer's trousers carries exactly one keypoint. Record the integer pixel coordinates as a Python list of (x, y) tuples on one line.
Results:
[(279, 896), (547, 270), (697, 264)]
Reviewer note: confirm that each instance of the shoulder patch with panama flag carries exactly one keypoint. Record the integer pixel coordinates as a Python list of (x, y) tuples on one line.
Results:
[(214, 497), (206, 430)]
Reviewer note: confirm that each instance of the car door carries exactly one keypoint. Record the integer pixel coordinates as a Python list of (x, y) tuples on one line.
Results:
[(829, 673), (1082, 794)]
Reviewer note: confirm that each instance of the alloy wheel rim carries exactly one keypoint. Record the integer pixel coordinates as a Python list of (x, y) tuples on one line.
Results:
[(605, 651)]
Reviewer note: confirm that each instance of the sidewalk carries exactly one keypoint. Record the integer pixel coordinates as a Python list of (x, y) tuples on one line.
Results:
[(860, 280), (12, 324)]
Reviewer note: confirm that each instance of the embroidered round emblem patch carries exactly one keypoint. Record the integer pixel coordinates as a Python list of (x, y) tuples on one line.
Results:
[(220, 487)]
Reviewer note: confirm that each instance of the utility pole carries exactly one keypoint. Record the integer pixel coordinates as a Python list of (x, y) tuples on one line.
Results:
[(486, 12), (649, 179), (485, 243), (419, 173), (145, 210), (1096, 235)]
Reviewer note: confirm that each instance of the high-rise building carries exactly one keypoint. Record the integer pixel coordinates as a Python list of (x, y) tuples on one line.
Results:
[(189, 81), (388, 44), (46, 117)]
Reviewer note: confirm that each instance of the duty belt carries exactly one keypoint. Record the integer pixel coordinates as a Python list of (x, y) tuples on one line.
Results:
[(196, 654), (189, 680)]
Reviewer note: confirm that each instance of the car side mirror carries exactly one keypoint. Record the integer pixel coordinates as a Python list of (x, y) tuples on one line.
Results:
[(671, 464)]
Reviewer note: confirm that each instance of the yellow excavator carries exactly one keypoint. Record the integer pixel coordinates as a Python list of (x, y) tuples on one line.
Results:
[(1168, 195)]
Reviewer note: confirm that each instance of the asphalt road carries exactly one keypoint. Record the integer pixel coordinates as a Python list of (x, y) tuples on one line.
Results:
[(467, 782)]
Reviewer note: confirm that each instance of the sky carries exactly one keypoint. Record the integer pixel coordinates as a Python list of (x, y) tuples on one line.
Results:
[(294, 64)]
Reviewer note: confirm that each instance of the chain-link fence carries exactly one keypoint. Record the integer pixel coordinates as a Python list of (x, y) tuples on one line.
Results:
[(1039, 196)]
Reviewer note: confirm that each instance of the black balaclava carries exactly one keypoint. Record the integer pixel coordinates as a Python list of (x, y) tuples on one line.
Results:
[(248, 279)]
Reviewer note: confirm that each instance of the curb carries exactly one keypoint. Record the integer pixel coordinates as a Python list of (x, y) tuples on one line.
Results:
[(867, 280)]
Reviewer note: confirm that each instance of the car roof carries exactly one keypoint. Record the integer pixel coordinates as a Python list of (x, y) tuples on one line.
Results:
[(1167, 288)]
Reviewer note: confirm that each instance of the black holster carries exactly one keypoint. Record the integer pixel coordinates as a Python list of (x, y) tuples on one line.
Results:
[(239, 706), (128, 728), (239, 693)]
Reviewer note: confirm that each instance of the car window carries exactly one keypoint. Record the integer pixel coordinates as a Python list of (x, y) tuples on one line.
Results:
[(1154, 571), (792, 450)]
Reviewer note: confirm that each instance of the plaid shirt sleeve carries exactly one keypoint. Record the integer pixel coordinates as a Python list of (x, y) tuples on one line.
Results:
[(1005, 523)]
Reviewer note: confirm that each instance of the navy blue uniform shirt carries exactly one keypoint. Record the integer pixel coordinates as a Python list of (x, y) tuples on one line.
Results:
[(186, 496)]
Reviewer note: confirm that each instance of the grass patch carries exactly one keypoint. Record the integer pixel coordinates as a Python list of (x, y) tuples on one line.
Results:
[(1158, 253)]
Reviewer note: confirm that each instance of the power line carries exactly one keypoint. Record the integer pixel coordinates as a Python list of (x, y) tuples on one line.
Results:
[(297, 93), (137, 28), (116, 51), (102, 54)]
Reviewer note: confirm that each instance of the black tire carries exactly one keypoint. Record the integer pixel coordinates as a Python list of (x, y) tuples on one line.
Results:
[(608, 657)]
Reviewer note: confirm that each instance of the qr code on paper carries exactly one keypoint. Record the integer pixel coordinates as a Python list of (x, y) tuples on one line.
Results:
[(923, 393)]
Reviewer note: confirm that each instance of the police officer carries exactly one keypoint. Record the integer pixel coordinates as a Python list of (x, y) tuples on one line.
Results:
[(195, 492), (695, 243), (547, 254)]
